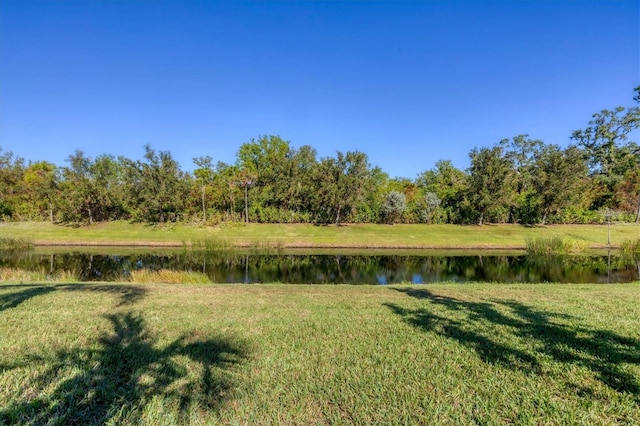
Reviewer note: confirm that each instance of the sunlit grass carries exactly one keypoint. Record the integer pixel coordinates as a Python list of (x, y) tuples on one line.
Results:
[(302, 235), (275, 354)]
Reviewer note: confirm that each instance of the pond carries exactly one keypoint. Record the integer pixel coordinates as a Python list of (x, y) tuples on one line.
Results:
[(302, 267)]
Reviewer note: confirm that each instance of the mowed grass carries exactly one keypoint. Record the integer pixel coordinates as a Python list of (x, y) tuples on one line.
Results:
[(304, 235), (289, 354)]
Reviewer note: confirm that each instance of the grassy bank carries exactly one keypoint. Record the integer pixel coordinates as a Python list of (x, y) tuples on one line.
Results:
[(275, 354), (352, 236)]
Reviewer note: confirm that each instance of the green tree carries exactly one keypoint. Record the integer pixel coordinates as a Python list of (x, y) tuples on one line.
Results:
[(629, 192), (263, 163), (340, 185), (491, 181), (559, 179), (40, 188), (606, 145), (296, 182), (450, 185), (11, 172), (157, 187), (108, 177), (246, 178), (377, 185), (79, 189), (226, 189), (204, 177), (523, 151)]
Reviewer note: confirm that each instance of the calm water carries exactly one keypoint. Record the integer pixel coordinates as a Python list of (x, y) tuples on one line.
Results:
[(337, 268)]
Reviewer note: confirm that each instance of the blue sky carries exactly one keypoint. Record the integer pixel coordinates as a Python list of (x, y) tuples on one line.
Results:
[(408, 83)]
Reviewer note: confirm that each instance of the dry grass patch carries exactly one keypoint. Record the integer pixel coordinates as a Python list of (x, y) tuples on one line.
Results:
[(168, 276)]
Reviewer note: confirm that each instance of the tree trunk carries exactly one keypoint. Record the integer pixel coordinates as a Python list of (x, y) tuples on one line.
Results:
[(204, 210), (638, 212), (481, 221), (338, 216), (246, 204), (51, 211), (232, 207)]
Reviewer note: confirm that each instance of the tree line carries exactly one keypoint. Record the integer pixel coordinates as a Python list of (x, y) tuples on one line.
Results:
[(517, 180)]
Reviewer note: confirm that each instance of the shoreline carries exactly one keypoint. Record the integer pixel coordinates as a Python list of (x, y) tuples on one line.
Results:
[(305, 236), (302, 246)]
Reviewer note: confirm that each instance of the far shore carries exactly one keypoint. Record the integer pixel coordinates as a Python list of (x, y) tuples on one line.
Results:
[(306, 236)]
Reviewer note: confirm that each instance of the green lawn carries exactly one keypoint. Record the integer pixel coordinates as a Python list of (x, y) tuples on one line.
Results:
[(288, 354), (300, 235)]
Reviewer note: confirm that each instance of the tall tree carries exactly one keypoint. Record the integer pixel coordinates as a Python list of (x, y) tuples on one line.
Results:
[(266, 161), (157, 186), (108, 176), (450, 186), (226, 189), (522, 150), (11, 171), (491, 180), (610, 154), (296, 182), (559, 179), (204, 176), (40, 187), (629, 192), (340, 184), (80, 194), (246, 178)]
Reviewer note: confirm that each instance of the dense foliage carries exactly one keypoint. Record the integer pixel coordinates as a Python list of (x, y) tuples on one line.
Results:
[(518, 180)]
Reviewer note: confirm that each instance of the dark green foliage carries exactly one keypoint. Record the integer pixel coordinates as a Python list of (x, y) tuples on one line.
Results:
[(156, 188), (340, 184), (492, 179)]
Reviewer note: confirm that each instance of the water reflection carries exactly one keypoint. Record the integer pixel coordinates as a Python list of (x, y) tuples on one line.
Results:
[(337, 268)]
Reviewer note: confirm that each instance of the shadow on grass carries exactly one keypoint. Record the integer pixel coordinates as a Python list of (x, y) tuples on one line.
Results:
[(114, 379), (24, 293), (126, 294), (489, 328)]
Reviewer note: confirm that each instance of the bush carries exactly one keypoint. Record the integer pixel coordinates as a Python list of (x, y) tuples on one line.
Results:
[(395, 203), (630, 246), (15, 244), (554, 246)]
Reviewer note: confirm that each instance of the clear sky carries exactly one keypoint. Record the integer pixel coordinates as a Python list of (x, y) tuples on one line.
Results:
[(408, 83)]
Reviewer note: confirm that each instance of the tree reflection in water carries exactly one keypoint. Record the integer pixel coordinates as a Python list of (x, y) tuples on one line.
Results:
[(338, 268)]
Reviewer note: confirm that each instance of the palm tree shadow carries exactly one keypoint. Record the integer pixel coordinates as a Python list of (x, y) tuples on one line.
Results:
[(113, 379), (14, 299), (603, 352), (126, 294)]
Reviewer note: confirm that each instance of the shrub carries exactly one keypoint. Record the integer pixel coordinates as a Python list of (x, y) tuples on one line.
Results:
[(168, 276), (15, 244), (554, 246), (395, 203)]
